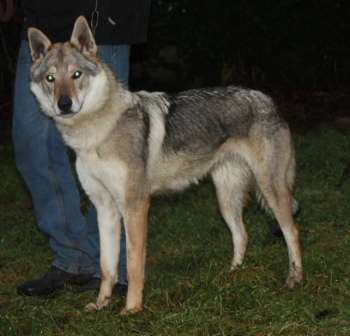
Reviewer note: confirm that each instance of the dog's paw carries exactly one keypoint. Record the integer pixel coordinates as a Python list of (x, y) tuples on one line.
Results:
[(125, 311), (100, 304), (294, 279), (92, 306), (235, 266), (292, 282)]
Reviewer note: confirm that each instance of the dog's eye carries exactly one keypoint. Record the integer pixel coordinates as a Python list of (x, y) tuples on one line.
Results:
[(76, 74), (50, 78)]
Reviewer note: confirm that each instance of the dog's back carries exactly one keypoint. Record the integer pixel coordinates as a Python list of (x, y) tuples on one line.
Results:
[(202, 120), (197, 130)]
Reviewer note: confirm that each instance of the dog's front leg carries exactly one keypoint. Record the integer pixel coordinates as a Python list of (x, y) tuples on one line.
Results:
[(136, 232), (109, 229)]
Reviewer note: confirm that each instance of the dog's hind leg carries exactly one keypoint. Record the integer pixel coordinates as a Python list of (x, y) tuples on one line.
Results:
[(136, 233), (232, 182), (272, 169)]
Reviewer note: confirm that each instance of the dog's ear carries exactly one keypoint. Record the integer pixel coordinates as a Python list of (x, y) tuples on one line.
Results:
[(82, 37), (39, 44)]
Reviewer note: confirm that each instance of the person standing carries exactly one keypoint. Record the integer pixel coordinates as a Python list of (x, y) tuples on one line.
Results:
[(40, 154)]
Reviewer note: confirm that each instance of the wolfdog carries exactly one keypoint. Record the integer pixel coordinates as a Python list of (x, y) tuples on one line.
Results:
[(131, 145)]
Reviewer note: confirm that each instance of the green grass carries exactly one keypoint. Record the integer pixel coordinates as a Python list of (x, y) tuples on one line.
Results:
[(189, 290)]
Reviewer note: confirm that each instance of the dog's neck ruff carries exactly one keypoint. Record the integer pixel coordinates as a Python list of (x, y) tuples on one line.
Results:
[(101, 109)]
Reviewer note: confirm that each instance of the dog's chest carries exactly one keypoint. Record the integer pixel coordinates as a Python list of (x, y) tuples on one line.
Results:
[(98, 174)]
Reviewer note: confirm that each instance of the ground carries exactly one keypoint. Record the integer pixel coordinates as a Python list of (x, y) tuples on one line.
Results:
[(189, 289)]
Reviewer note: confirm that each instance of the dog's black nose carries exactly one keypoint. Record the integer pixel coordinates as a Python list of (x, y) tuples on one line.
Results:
[(65, 103)]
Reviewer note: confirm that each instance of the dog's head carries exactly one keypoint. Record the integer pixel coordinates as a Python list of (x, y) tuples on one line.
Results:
[(65, 77)]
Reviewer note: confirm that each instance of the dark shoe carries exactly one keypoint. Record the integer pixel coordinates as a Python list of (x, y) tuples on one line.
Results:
[(275, 229), (94, 284), (55, 279), (120, 290)]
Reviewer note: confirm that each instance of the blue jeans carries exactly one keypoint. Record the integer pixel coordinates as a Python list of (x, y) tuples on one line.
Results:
[(42, 159)]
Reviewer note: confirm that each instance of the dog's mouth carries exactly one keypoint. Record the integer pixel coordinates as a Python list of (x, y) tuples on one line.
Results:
[(68, 114)]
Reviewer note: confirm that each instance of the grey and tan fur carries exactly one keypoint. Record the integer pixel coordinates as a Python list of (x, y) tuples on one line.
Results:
[(131, 145)]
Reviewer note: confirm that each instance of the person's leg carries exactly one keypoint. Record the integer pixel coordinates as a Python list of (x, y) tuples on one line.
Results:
[(117, 58), (42, 160)]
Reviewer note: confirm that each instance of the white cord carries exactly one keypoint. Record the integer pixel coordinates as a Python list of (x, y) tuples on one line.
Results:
[(95, 15)]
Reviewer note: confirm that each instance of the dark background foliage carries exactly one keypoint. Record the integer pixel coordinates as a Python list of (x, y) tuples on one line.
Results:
[(290, 45)]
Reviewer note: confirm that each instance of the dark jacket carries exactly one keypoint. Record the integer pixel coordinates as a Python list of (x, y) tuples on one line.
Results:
[(120, 21)]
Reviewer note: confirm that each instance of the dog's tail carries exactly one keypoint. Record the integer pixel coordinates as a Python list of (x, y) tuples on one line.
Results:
[(289, 178), (273, 224), (290, 184), (262, 202)]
